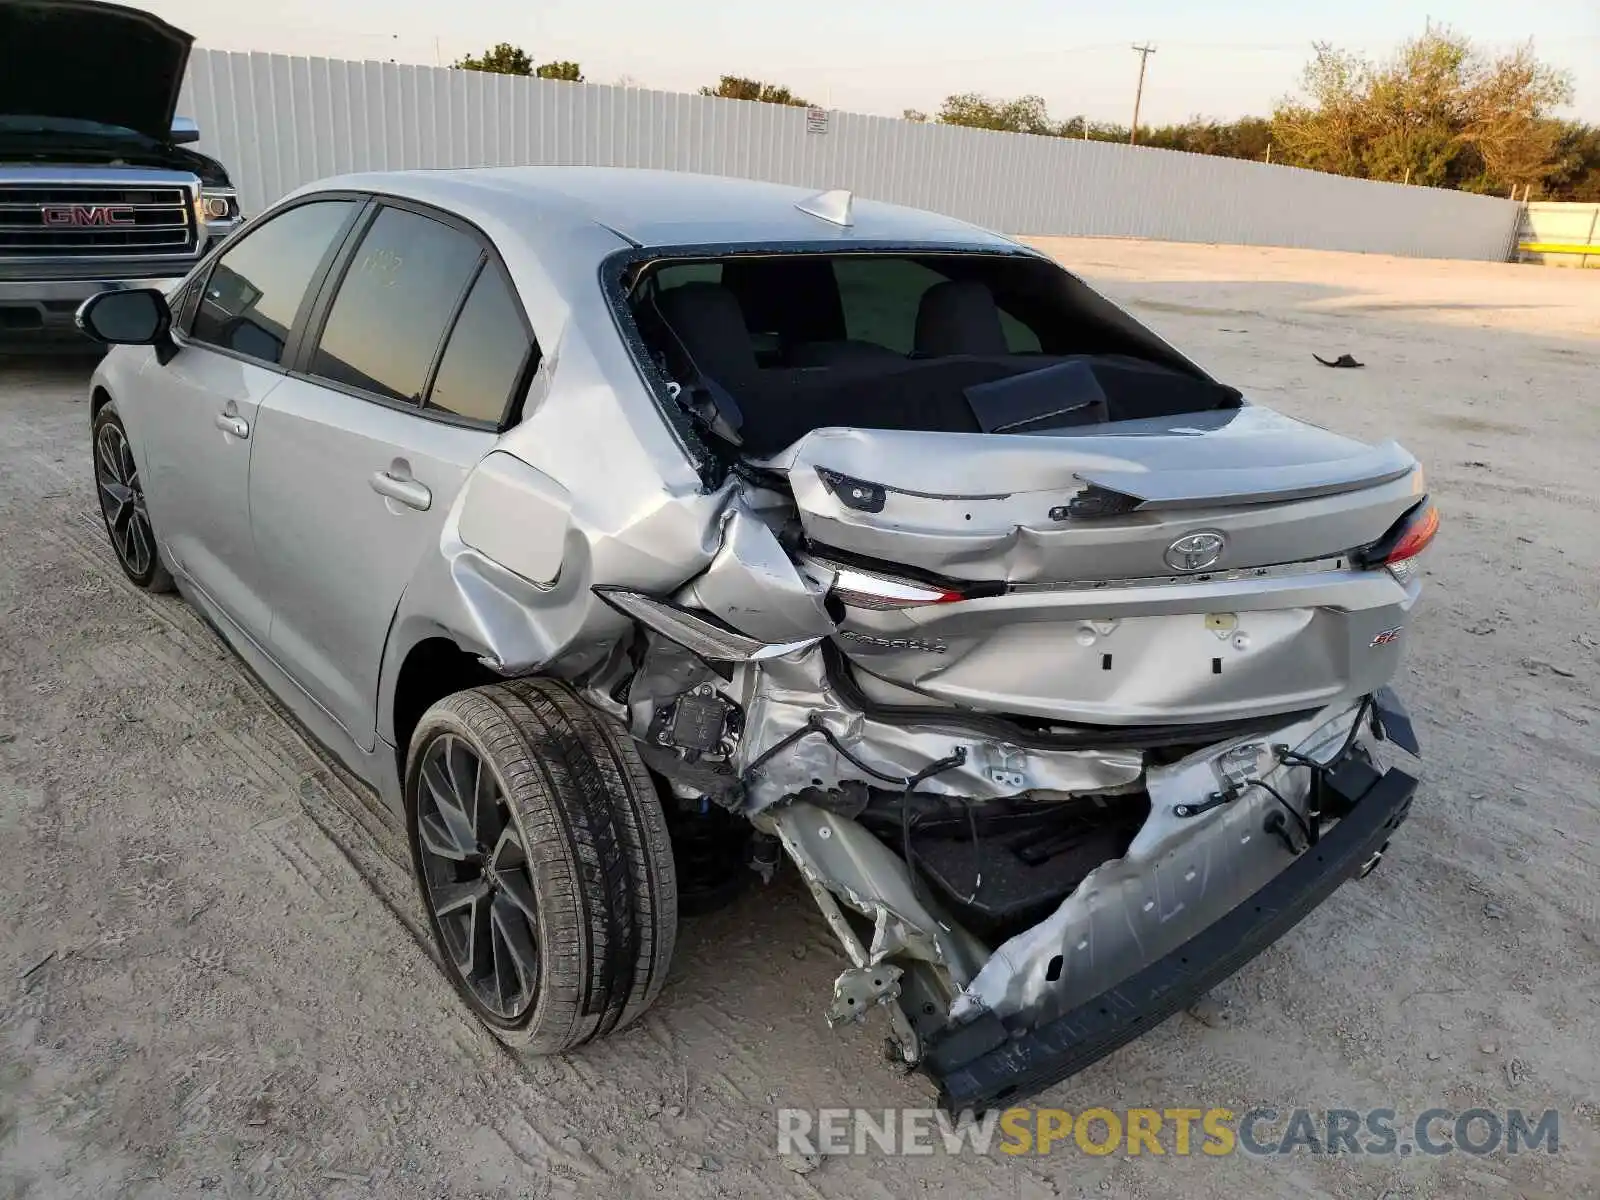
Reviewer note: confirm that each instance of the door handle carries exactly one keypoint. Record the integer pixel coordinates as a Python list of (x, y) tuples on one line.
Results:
[(228, 423), (408, 491)]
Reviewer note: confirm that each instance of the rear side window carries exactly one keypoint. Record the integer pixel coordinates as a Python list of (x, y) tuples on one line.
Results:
[(483, 360), (257, 285), (393, 305)]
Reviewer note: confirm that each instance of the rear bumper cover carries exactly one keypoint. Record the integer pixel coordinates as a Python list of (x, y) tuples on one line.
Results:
[(981, 1064)]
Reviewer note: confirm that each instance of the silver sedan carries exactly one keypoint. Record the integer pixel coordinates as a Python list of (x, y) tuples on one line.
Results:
[(629, 532)]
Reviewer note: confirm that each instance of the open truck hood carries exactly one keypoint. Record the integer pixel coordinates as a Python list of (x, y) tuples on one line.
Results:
[(1001, 507), (92, 62)]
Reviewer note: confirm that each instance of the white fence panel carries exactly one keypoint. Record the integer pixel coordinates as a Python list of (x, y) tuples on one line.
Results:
[(279, 122), (1561, 234)]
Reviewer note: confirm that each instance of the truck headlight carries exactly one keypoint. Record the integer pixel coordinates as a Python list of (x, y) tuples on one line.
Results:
[(216, 205)]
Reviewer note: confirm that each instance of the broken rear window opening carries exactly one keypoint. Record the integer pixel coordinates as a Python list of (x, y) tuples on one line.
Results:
[(767, 347)]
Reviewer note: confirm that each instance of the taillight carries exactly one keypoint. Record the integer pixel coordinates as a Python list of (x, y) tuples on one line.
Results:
[(1417, 535), (860, 589), (1408, 538)]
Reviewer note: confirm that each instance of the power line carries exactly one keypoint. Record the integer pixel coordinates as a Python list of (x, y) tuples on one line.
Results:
[(1144, 53)]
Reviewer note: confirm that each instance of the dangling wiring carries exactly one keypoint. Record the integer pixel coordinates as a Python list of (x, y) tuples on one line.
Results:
[(1306, 828), (1310, 824), (906, 784), (1312, 828), (928, 772)]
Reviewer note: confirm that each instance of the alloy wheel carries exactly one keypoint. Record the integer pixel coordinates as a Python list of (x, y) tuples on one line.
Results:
[(122, 500), (475, 873)]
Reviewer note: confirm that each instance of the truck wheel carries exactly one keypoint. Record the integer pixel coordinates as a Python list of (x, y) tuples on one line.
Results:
[(544, 863), (121, 495)]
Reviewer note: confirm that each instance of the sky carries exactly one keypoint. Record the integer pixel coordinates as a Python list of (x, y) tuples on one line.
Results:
[(1224, 59)]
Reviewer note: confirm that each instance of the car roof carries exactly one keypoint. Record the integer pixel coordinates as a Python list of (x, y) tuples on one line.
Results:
[(658, 209)]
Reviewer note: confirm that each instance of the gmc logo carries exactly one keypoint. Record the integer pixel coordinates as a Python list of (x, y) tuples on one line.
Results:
[(87, 214)]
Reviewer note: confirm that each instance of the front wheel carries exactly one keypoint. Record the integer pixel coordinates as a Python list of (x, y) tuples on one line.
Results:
[(121, 495), (543, 859)]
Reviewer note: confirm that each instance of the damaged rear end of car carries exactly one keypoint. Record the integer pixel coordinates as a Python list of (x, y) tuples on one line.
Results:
[(1060, 672)]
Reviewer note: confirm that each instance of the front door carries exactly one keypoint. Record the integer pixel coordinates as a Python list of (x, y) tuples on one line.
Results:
[(204, 404), (200, 460), (359, 457)]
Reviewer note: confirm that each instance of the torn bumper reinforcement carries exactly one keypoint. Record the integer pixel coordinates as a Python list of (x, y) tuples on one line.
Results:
[(982, 1063)]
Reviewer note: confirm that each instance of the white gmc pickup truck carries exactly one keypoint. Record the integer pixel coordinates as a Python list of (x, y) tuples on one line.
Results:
[(97, 188)]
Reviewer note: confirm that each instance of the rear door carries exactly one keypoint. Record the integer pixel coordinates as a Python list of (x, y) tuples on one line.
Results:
[(204, 404), (415, 358)]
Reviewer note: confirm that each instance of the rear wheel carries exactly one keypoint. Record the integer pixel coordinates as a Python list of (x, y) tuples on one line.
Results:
[(543, 859), (120, 492)]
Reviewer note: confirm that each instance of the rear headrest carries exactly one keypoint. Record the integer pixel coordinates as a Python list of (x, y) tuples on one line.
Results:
[(959, 317), (708, 321)]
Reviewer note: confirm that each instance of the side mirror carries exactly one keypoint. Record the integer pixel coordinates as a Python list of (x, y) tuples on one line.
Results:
[(185, 130), (137, 317)]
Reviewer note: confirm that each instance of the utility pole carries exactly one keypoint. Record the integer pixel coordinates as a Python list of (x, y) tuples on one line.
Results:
[(1144, 53)]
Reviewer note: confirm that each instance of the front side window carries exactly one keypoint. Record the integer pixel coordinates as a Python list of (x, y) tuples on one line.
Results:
[(256, 287), (401, 288), (483, 360)]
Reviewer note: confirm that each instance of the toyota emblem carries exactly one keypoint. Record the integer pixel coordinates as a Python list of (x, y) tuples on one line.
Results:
[(1196, 551)]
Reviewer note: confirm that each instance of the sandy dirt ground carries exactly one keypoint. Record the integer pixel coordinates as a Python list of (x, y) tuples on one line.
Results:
[(212, 979)]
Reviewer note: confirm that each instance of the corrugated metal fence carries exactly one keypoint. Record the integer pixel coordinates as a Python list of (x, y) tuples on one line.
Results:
[(281, 121)]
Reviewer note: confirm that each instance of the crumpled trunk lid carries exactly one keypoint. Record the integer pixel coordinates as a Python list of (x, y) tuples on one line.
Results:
[(993, 508), (1178, 570)]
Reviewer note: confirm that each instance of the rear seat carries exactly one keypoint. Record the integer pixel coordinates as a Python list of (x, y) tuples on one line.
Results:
[(959, 316)]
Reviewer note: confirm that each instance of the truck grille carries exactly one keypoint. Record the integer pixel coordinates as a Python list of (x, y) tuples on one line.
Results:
[(94, 220)]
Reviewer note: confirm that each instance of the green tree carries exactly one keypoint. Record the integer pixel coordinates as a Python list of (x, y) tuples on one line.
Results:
[(1026, 114), (1508, 126), (1439, 112), (568, 71), (502, 59), (1327, 130), (1100, 131), (1245, 138), (737, 87), (1575, 172)]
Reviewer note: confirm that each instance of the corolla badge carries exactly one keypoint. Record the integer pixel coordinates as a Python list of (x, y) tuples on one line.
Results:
[(927, 646), (1196, 551)]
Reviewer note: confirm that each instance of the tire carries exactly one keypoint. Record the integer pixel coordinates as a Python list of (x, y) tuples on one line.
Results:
[(555, 914), (120, 495)]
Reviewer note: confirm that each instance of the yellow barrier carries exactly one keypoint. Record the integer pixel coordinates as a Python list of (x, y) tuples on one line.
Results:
[(1557, 248)]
